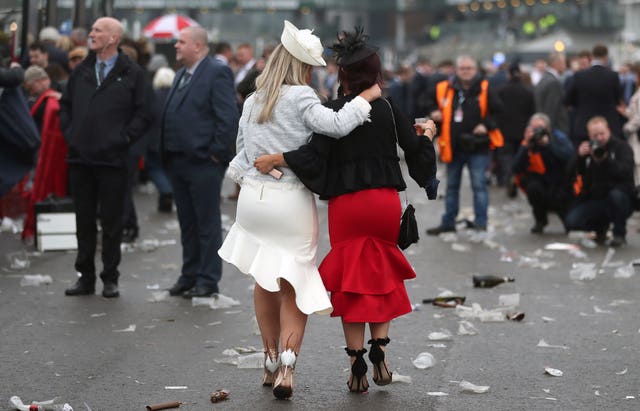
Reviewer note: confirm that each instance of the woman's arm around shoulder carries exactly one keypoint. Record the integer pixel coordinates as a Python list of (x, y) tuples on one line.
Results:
[(336, 124)]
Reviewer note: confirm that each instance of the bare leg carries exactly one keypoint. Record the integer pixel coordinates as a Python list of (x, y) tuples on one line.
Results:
[(353, 336), (267, 306), (292, 325), (379, 330), (292, 320)]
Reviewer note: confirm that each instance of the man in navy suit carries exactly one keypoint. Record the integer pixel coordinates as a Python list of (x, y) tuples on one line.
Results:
[(594, 92), (199, 126)]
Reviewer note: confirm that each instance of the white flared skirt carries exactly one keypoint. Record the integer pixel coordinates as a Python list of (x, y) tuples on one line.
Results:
[(275, 236)]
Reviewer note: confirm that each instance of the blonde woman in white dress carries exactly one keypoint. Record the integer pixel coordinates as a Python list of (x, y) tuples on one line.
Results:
[(274, 238)]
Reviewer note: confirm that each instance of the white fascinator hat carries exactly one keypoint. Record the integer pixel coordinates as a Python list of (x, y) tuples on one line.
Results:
[(302, 44)]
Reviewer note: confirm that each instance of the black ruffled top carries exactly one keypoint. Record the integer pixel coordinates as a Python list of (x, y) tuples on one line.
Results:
[(366, 158)]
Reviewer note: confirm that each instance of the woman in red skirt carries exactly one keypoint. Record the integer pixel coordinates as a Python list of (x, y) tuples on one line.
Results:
[(360, 176)]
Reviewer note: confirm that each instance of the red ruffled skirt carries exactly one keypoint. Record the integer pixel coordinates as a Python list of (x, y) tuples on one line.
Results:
[(365, 270)]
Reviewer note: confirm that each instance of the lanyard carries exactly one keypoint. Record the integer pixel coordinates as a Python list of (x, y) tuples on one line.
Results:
[(461, 99)]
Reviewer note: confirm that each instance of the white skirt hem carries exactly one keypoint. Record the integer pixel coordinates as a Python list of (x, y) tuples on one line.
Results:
[(267, 264)]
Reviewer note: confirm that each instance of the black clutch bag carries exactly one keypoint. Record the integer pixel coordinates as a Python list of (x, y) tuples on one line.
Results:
[(408, 228)]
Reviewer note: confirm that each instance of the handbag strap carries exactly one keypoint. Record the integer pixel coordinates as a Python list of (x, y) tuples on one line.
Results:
[(395, 130), (393, 117)]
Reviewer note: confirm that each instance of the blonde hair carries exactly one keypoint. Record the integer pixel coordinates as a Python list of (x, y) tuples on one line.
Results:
[(281, 69)]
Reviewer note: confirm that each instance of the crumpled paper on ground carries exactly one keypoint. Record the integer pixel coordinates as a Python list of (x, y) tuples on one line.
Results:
[(466, 386), (424, 360), (441, 335), (34, 280), (583, 271), (477, 312), (466, 328), (215, 303)]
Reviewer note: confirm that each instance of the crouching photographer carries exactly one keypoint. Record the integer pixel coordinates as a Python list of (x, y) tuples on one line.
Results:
[(605, 166), (540, 166)]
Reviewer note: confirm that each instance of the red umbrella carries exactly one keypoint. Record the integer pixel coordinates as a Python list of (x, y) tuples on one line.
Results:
[(167, 27)]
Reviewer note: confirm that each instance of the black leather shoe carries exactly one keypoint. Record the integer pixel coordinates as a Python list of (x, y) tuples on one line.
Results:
[(110, 290), (438, 230), (617, 241), (80, 288), (601, 236), (178, 289), (538, 228), (165, 203), (129, 235), (199, 291)]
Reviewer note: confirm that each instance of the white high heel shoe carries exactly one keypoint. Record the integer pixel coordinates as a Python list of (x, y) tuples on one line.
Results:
[(271, 365), (283, 386)]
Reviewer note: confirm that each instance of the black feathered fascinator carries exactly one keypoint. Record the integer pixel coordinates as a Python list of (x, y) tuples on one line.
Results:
[(352, 47)]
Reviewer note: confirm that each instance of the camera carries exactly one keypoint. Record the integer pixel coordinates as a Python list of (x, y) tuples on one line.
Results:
[(538, 134), (598, 151)]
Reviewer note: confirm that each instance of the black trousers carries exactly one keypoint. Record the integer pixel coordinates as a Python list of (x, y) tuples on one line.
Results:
[(98, 189), (130, 217), (544, 198)]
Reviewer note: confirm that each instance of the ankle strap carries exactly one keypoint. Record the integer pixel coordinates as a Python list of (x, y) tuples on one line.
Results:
[(379, 341), (354, 353)]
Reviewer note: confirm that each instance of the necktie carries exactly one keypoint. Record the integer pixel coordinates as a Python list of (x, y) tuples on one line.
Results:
[(185, 79), (101, 68)]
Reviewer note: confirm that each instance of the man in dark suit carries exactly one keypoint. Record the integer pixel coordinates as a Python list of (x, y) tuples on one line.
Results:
[(102, 112), (199, 127), (594, 92), (519, 106), (549, 93)]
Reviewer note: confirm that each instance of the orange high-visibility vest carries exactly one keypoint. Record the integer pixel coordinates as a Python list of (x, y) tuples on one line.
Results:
[(536, 165), (444, 97)]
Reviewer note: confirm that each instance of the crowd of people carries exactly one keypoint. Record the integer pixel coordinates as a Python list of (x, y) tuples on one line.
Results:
[(93, 110), (565, 134)]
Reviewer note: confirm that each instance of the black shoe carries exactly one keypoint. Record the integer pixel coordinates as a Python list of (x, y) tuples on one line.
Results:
[(110, 290), (178, 289), (381, 375), (81, 288), (199, 291), (601, 237), (440, 229), (512, 190), (538, 228), (358, 381), (165, 203), (129, 235), (617, 241)]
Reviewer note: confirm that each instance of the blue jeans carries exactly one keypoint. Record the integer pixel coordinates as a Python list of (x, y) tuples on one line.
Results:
[(477, 164), (157, 173), (597, 214), (196, 190)]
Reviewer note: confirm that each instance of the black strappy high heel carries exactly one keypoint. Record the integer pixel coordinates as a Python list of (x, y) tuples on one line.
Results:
[(382, 375), (358, 371)]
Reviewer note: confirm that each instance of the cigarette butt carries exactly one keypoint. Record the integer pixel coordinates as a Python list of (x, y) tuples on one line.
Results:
[(164, 406)]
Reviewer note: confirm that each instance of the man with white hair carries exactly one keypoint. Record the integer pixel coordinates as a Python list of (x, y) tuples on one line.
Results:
[(102, 113)]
